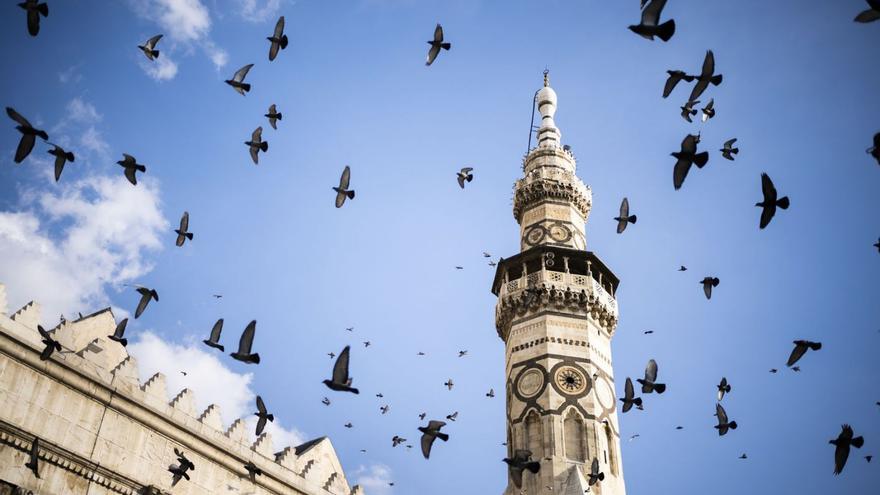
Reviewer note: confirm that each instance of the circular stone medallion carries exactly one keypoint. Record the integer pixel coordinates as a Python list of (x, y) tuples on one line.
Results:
[(570, 380), (604, 393), (530, 383)]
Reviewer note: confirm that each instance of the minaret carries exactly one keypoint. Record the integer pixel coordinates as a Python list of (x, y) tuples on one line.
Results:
[(556, 314)]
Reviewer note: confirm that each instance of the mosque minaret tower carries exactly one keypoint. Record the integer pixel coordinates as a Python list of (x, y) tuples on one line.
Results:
[(556, 314)]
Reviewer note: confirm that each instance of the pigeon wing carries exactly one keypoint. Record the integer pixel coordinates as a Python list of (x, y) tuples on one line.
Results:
[(628, 392), (215, 331), (240, 74), (651, 371), (516, 474), (708, 65), (43, 332), (651, 14), (59, 163), (119, 332), (184, 222), (17, 117), (345, 178), (438, 34), (432, 54), (279, 28), (624, 208), (151, 43), (707, 289), (594, 468), (721, 413), (261, 423), (427, 441), (145, 296), (768, 189), (340, 368), (800, 348), (25, 146), (680, 172), (257, 135), (247, 338), (261, 406)]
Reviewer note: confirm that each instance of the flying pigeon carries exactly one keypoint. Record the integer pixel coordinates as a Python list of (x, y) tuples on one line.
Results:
[(842, 444), (648, 27), (682, 268), (396, 440), (464, 175), (422, 416), (491, 393), (728, 150), (707, 76), (723, 388), (132, 167), (33, 462), (183, 232), (774, 370), (385, 409), (688, 110), (348, 425), (462, 353), (743, 456), (436, 44), (875, 150), (34, 11), (146, 295), (429, 434), (708, 283), (723, 424), (342, 191), (870, 15), (214, 339), (770, 202), (119, 332), (274, 115), (180, 470), (28, 134), (244, 346), (648, 332), (277, 40), (367, 343), (331, 354), (449, 384), (256, 144), (796, 369), (253, 471), (51, 344), (649, 383), (237, 81), (522, 461), (595, 475), (878, 244), (629, 398), (453, 416), (675, 76), (325, 401), (263, 415), (486, 255), (624, 218), (492, 263), (61, 158), (708, 110), (149, 48), (686, 157), (341, 381), (800, 348)]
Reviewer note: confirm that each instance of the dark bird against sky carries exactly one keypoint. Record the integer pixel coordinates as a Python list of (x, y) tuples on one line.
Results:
[(245, 343), (28, 135), (649, 25), (436, 44)]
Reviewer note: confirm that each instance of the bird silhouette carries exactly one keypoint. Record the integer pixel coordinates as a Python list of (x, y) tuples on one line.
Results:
[(33, 462), (253, 471), (436, 44), (34, 10), (708, 283), (728, 150), (649, 383), (875, 150), (708, 110), (278, 40), (119, 333), (707, 76), (237, 81), (245, 343), (274, 115), (146, 295), (28, 134), (842, 446), (256, 144), (214, 339), (723, 423), (431, 433), (342, 190), (341, 380), (624, 218), (491, 393), (521, 461), (262, 415), (61, 158), (649, 27), (688, 110), (132, 167), (629, 399), (595, 475), (723, 388), (397, 440), (149, 48), (464, 175), (686, 157), (51, 345), (453, 416), (770, 203), (682, 268), (800, 348), (675, 76), (182, 231), (870, 15), (449, 384)]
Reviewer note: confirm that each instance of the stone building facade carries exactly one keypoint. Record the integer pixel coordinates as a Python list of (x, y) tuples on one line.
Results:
[(102, 432), (556, 314)]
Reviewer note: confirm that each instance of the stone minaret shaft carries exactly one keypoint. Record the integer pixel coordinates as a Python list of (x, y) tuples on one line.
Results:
[(556, 314)]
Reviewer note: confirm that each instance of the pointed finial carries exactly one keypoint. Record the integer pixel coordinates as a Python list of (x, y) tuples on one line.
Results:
[(546, 77)]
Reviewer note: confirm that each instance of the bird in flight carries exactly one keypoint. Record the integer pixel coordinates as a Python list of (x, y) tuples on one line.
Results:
[(708, 284), (491, 393), (449, 384), (649, 383), (422, 416), (436, 44), (149, 48), (723, 388), (707, 76), (708, 110), (462, 353), (342, 190), (367, 343), (180, 470), (688, 110), (397, 440), (119, 332), (649, 27), (682, 268), (348, 425), (870, 15), (341, 380), (877, 245), (728, 150), (28, 135), (237, 81), (52, 345), (61, 158), (723, 423), (263, 415), (595, 475), (743, 456), (325, 401), (648, 332), (521, 461), (132, 167), (875, 150), (34, 10), (464, 175), (675, 76), (486, 255), (253, 471), (277, 40), (350, 329), (800, 348), (214, 339), (384, 409), (770, 201), (431, 433), (245, 343), (331, 354), (625, 218), (256, 144), (629, 399), (453, 416), (842, 446), (146, 295), (274, 115), (183, 232), (33, 462), (686, 157)]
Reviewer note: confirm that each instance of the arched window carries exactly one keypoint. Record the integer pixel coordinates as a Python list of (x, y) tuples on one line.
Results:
[(575, 441), (612, 453), (534, 435)]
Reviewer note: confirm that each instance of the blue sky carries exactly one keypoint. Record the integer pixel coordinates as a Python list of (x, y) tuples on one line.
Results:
[(799, 92)]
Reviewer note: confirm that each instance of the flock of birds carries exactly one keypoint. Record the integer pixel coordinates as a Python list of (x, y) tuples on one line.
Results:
[(341, 380)]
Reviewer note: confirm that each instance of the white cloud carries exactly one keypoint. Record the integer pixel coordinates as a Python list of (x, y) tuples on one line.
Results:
[(62, 249), (161, 69), (79, 110), (92, 140), (251, 10), (374, 479), (210, 380), (218, 56), (71, 74)]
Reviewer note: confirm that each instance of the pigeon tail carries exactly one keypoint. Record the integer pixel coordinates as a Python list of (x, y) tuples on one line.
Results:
[(666, 30), (659, 388), (446, 46), (350, 194), (783, 203), (533, 466), (631, 219), (732, 425), (278, 116), (189, 235), (283, 42), (857, 442), (445, 437), (700, 159), (122, 341), (716, 80), (140, 168), (43, 9), (264, 146), (638, 402), (154, 53), (270, 417), (245, 87)]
